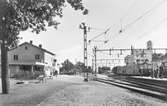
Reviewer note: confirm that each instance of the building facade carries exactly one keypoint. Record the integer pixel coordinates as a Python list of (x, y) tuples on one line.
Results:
[(30, 60), (140, 56), (139, 59)]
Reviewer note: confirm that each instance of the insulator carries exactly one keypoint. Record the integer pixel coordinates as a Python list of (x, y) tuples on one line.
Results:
[(120, 31)]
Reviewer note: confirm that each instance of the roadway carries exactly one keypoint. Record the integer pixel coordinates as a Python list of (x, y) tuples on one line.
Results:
[(73, 91)]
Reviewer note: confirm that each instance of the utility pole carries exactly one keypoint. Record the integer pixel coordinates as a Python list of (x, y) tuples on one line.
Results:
[(85, 30), (93, 61), (95, 51), (4, 49)]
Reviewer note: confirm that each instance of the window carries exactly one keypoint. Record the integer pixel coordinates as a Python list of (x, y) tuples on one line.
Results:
[(25, 68), (37, 56), (15, 57), (26, 48)]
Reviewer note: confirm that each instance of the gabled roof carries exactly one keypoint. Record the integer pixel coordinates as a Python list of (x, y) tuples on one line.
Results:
[(33, 46)]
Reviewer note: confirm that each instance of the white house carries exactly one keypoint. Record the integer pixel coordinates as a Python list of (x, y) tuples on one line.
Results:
[(28, 58)]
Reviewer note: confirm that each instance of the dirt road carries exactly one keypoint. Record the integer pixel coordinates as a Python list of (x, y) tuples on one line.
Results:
[(72, 91)]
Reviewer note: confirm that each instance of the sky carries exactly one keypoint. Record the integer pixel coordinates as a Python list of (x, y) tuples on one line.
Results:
[(140, 20)]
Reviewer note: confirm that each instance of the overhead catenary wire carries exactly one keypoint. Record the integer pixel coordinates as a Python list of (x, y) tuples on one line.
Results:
[(137, 19), (105, 32), (127, 11), (147, 12), (141, 16), (94, 28), (153, 28), (100, 41), (116, 54)]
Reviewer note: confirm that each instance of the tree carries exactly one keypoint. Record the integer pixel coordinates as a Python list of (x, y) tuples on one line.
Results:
[(20, 15), (103, 70), (67, 66), (80, 66)]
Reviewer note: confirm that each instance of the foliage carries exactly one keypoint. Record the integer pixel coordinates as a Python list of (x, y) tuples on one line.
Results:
[(114, 70), (80, 66), (20, 15), (103, 69), (67, 66)]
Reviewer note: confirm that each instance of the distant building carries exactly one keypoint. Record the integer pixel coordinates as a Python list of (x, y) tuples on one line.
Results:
[(28, 58), (139, 58), (158, 59), (129, 60), (149, 45)]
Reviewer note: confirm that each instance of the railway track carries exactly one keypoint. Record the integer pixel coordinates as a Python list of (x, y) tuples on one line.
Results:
[(144, 85), (152, 90), (149, 81)]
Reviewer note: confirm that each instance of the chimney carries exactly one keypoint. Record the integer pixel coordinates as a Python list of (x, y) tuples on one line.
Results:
[(30, 41), (40, 46)]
